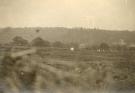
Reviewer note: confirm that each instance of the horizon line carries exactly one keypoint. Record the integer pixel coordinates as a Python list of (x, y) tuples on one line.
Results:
[(75, 27)]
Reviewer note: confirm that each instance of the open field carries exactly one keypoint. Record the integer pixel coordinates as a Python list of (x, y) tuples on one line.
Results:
[(79, 71)]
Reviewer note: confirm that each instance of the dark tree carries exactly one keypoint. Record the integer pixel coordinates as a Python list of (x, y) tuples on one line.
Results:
[(37, 31), (39, 42), (19, 41), (58, 44), (104, 46)]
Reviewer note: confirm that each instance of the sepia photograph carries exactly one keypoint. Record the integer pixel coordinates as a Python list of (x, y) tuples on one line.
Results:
[(67, 46)]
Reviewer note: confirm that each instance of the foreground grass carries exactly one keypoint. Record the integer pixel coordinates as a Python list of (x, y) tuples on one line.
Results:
[(64, 71)]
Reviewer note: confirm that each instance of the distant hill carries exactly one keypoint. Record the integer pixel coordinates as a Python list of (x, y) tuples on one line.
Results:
[(66, 35)]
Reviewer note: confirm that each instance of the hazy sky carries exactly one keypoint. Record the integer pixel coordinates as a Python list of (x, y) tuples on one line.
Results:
[(107, 14)]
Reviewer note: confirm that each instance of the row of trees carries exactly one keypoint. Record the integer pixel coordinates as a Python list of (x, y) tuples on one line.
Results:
[(39, 42)]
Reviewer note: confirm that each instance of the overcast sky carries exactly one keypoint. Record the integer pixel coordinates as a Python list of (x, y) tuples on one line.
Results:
[(106, 14)]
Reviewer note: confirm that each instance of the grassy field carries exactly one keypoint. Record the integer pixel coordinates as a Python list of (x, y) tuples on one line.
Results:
[(79, 71)]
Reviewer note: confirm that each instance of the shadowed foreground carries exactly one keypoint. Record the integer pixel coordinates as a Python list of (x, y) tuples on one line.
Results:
[(34, 73)]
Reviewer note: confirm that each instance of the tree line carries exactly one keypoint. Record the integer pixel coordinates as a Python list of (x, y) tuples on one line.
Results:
[(37, 42), (40, 42)]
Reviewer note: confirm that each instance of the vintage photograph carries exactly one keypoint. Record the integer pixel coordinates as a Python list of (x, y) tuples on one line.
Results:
[(67, 46)]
